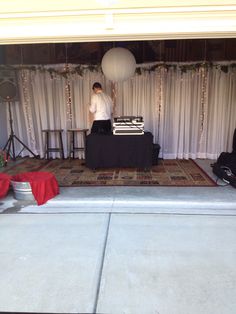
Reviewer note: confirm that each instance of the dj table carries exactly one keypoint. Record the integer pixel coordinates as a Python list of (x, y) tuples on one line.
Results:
[(112, 151)]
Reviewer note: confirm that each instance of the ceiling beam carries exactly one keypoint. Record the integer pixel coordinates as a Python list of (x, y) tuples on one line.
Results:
[(117, 23)]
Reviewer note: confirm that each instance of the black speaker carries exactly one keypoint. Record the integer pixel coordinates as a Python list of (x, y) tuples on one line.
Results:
[(8, 86)]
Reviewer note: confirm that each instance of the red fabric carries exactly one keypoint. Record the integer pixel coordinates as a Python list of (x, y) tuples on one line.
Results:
[(43, 184), (4, 184)]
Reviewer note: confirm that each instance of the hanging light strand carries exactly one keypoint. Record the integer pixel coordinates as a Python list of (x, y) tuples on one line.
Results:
[(203, 75), (160, 73), (68, 89), (158, 102), (27, 108), (27, 102), (68, 101), (113, 93)]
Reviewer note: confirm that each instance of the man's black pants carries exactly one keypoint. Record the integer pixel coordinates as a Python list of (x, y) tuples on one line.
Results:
[(101, 126)]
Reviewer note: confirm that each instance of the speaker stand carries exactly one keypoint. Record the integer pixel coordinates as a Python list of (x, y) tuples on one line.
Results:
[(10, 142)]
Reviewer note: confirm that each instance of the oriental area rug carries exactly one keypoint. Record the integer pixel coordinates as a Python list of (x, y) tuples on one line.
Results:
[(74, 173)]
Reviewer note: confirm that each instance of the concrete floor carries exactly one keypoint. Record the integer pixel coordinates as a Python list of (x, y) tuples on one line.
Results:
[(119, 250)]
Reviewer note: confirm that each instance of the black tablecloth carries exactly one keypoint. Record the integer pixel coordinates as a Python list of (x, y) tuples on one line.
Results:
[(112, 151)]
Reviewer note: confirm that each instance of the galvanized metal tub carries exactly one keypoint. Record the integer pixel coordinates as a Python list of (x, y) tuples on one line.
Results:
[(22, 190)]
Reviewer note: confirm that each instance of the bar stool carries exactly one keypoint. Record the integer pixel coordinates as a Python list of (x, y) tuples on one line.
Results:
[(72, 133), (48, 148)]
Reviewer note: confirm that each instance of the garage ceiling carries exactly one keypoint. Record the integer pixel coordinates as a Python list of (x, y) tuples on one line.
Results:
[(114, 20), (144, 51)]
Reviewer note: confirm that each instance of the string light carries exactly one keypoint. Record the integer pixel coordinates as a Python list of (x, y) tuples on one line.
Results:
[(68, 90), (203, 75), (68, 102), (160, 74), (113, 89), (26, 103), (27, 108)]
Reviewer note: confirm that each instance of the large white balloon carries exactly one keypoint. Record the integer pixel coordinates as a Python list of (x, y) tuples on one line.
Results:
[(118, 64)]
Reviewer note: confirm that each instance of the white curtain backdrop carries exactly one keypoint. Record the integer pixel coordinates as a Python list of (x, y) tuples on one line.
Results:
[(191, 114)]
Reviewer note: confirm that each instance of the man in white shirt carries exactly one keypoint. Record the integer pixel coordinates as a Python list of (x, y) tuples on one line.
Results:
[(102, 107)]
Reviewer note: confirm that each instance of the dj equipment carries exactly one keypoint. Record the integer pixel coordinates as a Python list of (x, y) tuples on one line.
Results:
[(130, 119), (128, 125)]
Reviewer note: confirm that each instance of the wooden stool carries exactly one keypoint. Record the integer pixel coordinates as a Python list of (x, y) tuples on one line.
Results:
[(73, 148), (48, 148)]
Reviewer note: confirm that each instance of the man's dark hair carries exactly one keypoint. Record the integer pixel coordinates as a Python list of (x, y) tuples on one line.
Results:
[(97, 85)]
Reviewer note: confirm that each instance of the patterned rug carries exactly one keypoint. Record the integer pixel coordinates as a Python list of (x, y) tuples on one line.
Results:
[(72, 172)]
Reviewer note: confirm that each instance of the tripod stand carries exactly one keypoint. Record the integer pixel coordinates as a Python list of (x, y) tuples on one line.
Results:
[(10, 142)]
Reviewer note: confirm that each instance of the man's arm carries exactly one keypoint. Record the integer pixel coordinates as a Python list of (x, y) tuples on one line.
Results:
[(93, 107)]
